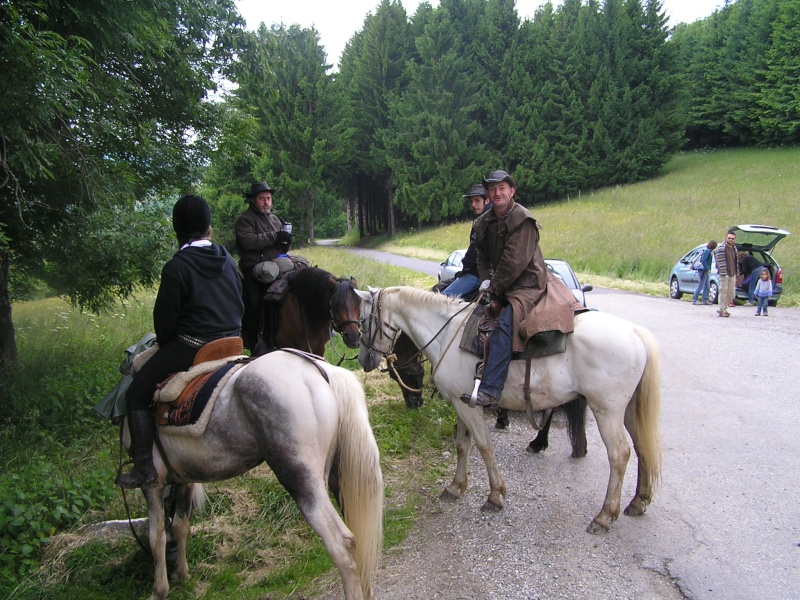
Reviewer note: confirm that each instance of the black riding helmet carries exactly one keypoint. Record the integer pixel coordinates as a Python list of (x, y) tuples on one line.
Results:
[(191, 217)]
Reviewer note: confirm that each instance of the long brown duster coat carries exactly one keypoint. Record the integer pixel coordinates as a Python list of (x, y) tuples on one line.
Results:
[(540, 301)]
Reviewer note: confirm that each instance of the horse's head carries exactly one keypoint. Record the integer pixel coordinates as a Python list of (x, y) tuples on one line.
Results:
[(377, 338), (345, 308)]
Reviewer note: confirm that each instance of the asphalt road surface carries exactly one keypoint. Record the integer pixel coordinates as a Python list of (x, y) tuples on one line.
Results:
[(724, 524)]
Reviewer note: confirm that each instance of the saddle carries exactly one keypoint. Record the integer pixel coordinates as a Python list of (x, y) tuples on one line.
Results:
[(273, 299), (183, 397), (475, 339)]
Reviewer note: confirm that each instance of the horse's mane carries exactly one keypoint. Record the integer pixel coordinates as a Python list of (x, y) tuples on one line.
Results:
[(424, 297), (312, 288)]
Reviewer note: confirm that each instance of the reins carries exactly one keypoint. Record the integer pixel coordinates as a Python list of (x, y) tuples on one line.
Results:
[(391, 357)]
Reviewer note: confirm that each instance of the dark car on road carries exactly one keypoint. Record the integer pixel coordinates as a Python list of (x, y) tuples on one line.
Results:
[(756, 240)]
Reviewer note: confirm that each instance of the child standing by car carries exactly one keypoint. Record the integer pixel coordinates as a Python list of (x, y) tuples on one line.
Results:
[(763, 292)]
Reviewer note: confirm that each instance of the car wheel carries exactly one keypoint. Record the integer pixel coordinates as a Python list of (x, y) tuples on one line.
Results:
[(713, 293), (674, 290)]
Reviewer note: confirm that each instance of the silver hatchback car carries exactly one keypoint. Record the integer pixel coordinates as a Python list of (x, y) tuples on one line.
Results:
[(757, 240)]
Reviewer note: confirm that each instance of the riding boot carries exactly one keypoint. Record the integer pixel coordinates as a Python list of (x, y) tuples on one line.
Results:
[(144, 474)]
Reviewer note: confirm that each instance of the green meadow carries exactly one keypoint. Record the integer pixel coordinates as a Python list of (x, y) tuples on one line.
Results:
[(631, 236)]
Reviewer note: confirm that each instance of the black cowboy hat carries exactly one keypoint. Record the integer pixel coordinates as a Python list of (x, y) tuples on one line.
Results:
[(257, 188), (477, 190), (497, 177)]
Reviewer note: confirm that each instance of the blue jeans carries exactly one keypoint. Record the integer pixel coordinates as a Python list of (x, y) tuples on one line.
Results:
[(495, 370), (705, 283), (754, 277), (763, 304), (462, 285)]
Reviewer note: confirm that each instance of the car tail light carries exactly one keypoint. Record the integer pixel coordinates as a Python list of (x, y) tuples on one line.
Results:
[(779, 276)]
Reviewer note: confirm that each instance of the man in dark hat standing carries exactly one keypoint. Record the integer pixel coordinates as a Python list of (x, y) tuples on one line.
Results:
[(259, 238), (467, 281), (524, 299), (199, 301)]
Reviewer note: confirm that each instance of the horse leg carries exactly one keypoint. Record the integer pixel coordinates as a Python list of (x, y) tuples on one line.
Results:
[(502, 419), (471, 419), (456, 489), (540, 442), (644, 487), (158, 541), (612, 432), (180, 529), (312, 498), (576, 426)]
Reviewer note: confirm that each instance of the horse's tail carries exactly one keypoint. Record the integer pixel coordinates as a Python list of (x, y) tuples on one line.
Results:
[(360, 477), (647, 417), (198, 498)]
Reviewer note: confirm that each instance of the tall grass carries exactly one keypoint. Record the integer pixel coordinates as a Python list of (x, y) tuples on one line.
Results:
[(639, 231), (60, 460)]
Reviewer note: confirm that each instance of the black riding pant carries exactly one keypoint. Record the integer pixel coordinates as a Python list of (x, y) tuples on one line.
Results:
[(171, 358), (252, 295)]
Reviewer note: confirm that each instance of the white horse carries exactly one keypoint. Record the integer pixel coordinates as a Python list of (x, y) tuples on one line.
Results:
[(308, 420), (610, 362)]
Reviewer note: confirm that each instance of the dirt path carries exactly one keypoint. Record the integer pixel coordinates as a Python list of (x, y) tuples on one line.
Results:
[(723, 522)]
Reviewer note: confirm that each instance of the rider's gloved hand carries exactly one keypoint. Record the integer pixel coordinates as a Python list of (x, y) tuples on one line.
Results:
[(486, 285), (285, 237)]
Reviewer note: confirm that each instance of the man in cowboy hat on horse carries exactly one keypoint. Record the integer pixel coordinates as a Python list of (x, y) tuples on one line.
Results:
[(514, 275), (467, 281), (259, 237)]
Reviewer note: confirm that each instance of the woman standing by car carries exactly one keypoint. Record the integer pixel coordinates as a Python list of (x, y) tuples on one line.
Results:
[(704, 272)]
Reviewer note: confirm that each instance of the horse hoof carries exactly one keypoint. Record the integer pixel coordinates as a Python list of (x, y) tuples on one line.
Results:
[(491, 507), (447, 497), (535, 448), (634, 510), (596, 528)]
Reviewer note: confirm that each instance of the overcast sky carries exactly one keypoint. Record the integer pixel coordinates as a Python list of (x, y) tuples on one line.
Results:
[(336, 22)]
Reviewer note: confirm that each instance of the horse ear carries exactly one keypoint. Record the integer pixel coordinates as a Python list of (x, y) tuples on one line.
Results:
[(353, 282), (332, 282), (363, 295)]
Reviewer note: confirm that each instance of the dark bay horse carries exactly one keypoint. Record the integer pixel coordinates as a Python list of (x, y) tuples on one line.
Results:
[(316, 305), (308, 421)]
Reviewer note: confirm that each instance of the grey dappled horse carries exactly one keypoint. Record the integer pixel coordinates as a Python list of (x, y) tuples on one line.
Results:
[(308, 421)]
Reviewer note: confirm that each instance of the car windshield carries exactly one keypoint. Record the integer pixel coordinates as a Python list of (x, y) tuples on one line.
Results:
[(562, 270)]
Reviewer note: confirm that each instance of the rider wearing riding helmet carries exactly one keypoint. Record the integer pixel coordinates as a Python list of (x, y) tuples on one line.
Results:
[(198, 301)]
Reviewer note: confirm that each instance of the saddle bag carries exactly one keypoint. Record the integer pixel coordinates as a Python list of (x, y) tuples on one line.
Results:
[(277, 291)]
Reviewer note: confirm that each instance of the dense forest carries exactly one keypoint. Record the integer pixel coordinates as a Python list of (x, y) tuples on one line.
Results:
[(112, 109)]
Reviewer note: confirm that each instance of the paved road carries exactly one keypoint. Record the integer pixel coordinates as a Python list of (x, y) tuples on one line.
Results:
[(422, 266), (725, 523)]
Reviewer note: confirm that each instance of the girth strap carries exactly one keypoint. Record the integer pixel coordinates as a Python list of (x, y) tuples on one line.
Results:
[(526, 388)]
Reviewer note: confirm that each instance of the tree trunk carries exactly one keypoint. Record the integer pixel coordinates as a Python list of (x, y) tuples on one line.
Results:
[(8, 343), (311, 234), (390, 213)]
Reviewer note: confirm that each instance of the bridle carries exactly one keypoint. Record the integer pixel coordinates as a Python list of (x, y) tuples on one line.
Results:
[(394, 332), (338, 326)]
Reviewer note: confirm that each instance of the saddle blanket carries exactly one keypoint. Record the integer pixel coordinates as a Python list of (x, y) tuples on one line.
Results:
[(190, 412)]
